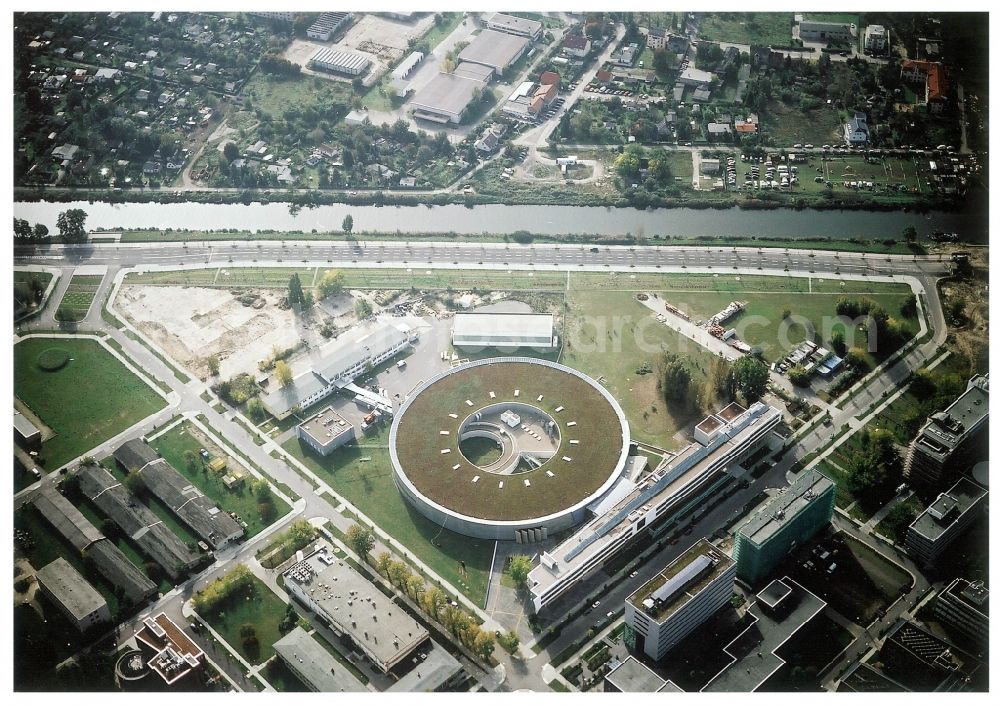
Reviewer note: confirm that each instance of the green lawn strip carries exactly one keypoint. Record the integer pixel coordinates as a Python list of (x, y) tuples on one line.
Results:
[(608, 337), (241, 500), (767, 28), (90, 399), (112, 343), (556, 685), (839, 476), (258, 607), (162, 511), (47, 545), (369, 486), (897, 521)]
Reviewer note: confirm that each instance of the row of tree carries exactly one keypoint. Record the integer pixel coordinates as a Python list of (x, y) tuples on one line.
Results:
[(70, 223)]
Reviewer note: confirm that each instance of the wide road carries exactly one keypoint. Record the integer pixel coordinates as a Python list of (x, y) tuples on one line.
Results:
[(615, 257)]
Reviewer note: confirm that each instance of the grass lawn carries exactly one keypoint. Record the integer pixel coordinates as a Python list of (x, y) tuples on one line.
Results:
[(839, 477), (275, 95), (43, 277), (90, 399), (368, 484), (788, 125), (770, 28), (241, 500), (609, 335), (255, 605)]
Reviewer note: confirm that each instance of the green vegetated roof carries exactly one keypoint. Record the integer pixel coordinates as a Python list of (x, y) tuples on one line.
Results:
[(419, 442)]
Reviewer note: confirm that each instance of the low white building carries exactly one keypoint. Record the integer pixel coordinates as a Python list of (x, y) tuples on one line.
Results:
[(504, 331)]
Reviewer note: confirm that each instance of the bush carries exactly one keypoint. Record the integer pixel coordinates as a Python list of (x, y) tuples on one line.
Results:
[(52, 359), (69, 315)]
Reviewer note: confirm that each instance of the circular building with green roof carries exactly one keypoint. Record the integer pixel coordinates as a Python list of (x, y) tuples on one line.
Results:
[(508, 448)]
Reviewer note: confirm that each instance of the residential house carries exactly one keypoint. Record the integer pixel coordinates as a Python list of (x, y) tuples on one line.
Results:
[(718, 131), (549, 78), (856, 130), (656, 38), (576, 45), (931, 75)]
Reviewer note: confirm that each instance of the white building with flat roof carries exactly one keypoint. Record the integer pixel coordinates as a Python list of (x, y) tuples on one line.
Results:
[(355, 609), (325, 431), (314, 665), (338, 61), (505, 331), (679, 598), (515, 25)]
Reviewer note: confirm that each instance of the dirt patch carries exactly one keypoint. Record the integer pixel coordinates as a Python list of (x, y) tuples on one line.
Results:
[(193, 323), (972, 338)]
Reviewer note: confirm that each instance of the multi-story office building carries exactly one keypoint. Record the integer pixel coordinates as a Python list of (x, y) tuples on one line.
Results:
[(791, 518), (949, 437), (944, 520), (678, 599), (965, 607)]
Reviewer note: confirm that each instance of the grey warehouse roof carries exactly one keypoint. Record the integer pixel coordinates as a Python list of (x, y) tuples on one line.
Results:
[(70, 588), (318, 668), (344, 60), (134, 454), (118, 570), (446, 93), (136, 520), (66, 519), (196, 510), (496, 49)]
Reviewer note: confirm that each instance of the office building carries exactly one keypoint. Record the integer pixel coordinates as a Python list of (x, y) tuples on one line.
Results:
[(355, 609), (673, 491), (325, 431), (950, 439), (923, 662), (786, 521), (170, 652), (965, 607), (944, 521), (632, 676), (518, 26), (678, 599), (828, 32)]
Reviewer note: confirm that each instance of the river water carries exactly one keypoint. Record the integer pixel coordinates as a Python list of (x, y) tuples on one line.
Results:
[(542, 220)]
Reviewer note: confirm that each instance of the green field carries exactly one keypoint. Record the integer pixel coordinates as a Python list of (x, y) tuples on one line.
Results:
[(789, 124), (241, 500), (281, 677), (92, 398), (275, 95), (257, 606), (368, 484), (770, 28)]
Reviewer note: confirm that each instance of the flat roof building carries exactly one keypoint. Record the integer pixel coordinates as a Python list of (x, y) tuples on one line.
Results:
[(779, 612), (810, 31), (446, 98), (924, 662), (84, 606), (407, 65), (515, 25), (505, 331), (314, 665), (26, 433), (497, 50), (325, 431), (434, 669), (355, 609), (669, 491), (950, 437), (336, 365), (476, 72), (170, 652), (136, 521), (965, 607), (944, 521), (338, 61), (786, 521), (109, 561), (674, 602), (632, 676), (876, 38)]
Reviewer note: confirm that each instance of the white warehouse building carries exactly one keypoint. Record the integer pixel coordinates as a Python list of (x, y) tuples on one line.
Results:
[(338, 61), (505, 331)]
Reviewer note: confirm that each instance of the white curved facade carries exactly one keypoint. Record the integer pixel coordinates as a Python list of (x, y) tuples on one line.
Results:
[(497, 529)]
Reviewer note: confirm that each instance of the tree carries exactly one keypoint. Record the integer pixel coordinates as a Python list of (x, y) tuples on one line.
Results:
[(190, 460), (798, 376), (295, 290), (22, 229), (748, 377), (518, 569), (283, 372), (231, 152), (857, 358), (910, 233), (213, 365), (433, 601), (415, 586), (348, 224), (330, 284), (873, 466), (675, 377), (837, 342), (362, 309), (922, 384), (399, 573), (135, 484), (255, 409), (382, 563), (361, 539), (71, 225), (509, 642), (483, 644)]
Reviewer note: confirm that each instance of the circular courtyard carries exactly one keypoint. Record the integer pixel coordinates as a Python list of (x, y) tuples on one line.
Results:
[(498, 445)]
